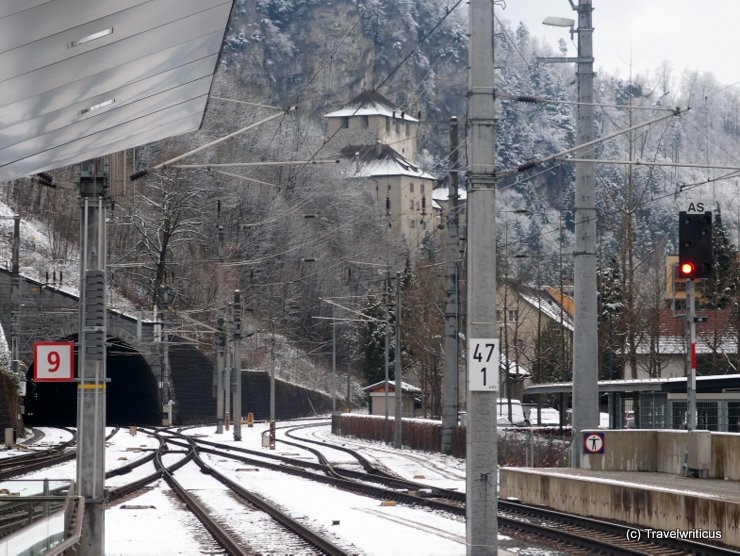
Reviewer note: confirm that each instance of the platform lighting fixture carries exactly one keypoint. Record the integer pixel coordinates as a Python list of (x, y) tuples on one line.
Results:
[(554, 21), (91, 37), (97, 106)]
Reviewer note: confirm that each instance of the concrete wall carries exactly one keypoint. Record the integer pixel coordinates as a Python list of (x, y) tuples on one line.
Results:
[(662, 451), (726, 456), (658, 509)]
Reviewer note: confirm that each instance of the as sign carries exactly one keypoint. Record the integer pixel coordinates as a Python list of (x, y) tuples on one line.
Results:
[(483, 364), (53, 362)]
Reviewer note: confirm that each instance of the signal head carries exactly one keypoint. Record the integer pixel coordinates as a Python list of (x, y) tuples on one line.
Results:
[(687, 269)]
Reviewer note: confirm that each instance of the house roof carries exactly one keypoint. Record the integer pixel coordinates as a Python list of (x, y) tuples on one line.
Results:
[(514, 369), (405, 387), (84, 79), (676, 384), (550, 306), (381, 160), (370, 103), (716, 334), (443, 194)]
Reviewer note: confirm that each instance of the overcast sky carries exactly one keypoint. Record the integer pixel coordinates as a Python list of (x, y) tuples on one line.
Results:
[(703, 35)]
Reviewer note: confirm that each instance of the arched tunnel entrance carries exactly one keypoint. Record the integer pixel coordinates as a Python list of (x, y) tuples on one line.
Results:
[(132, 394)]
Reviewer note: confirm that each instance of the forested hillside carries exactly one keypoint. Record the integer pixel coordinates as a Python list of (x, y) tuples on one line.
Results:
[(297, 235)]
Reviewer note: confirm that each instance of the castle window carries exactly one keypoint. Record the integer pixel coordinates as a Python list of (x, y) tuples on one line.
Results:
[(365, 122), (387, 125), (422, 188), (345, 123), (411, 187)]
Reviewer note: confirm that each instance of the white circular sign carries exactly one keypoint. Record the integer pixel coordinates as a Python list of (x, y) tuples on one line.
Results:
[(593, 443)]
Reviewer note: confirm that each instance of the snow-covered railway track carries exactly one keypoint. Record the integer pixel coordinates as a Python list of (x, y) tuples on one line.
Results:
[(563, 530), (271, 524), (36, 459), (582, 535), (317, 433)]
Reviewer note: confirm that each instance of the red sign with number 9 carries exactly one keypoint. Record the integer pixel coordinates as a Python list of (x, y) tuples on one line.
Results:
[(53, 361)]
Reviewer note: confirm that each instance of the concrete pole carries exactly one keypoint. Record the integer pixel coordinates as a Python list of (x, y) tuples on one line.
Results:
[(91, 399), (221, 338), (482, 448), (272, 375), (450, 394), (237, 402), (691, 357), (386, 423), (585, 340), (398, 370), (166, 391), (228, 377), (349, 384), (15, 300), (333, 359)]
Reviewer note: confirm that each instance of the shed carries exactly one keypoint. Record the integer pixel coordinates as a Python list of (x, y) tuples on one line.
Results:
[(377, 398)]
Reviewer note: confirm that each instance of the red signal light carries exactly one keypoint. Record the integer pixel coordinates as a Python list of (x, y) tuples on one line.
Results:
[(687, 269)]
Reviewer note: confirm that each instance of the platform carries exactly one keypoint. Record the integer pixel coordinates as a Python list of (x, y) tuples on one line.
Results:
[(653, 500)]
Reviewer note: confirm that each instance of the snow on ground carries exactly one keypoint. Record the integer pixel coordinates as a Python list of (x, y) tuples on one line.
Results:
[(155, 522)]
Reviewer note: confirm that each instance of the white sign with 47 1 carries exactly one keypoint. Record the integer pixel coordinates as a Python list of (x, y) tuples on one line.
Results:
[(483, 365)]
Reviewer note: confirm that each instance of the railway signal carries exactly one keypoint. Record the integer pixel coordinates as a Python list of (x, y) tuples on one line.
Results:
[(695, 255)]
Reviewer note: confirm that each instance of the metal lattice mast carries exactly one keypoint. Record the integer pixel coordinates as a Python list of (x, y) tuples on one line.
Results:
[(450, 394)]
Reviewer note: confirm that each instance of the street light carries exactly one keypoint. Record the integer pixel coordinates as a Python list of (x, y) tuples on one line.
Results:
[(554, 21), (585, 338)]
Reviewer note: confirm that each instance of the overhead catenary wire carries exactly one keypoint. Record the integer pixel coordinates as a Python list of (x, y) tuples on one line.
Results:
[(686, 187), (537, 162), (530, 99)]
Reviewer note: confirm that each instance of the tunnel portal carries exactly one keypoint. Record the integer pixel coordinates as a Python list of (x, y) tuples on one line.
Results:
[(132, 393)]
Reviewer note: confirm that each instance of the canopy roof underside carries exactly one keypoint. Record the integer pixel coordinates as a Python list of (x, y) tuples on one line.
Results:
[(81, 79)]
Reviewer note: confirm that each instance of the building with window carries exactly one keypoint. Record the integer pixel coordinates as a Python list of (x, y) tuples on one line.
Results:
[(376, 142)]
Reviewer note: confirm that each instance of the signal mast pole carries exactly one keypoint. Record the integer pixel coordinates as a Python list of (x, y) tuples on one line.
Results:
[(482, 437), (691, 356)]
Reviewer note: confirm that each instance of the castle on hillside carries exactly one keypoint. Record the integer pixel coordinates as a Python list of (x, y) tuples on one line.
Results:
[(377, 143)]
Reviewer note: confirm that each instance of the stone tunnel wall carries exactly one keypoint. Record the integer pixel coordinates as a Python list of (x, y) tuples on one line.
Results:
[(291, 400)]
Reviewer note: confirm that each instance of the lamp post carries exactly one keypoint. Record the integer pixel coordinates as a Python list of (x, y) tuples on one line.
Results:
[(585, 338)]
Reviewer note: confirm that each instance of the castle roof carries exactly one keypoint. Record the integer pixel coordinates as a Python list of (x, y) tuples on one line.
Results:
[(381, 160), (370, 103)]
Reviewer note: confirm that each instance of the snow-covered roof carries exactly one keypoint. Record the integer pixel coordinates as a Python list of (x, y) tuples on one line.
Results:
[(716, 334), (628, 385), (548, 306), (370, 103), (676, 345), (405, 387), (381, 160), (443, 194), (514, 369)]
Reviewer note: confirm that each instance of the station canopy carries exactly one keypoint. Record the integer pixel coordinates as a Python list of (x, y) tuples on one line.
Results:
[(81, 79)]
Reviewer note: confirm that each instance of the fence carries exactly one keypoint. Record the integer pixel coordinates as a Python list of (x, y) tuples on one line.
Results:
[(517, 446)]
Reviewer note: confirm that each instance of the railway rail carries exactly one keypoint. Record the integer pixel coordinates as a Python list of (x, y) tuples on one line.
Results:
[(589, 535), (312, 540), (38, 459), (574, 534)]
